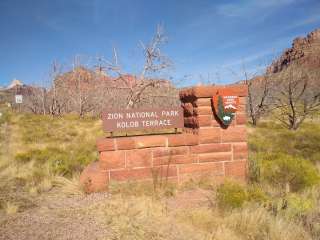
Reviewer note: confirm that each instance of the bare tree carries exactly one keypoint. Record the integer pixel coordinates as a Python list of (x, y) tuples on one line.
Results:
[(297, 96), (79, 90), (43, 100), (33, 100), (259, 93), (84, 90), (259, 89), (55, 103), (155, 62)]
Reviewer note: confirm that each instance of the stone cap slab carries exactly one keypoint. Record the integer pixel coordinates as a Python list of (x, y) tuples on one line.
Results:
[(240, 90), (146, 141)]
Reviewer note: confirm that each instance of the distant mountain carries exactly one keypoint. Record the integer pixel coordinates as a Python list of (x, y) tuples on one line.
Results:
[(305, 51), (16, 87), (296, 71), (89, 78), (15, 83)]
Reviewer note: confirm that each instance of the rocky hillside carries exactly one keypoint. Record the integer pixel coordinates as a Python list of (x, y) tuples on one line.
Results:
[(305, 51)]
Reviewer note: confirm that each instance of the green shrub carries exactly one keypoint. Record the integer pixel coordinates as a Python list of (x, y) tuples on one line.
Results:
[(231, 195), (39, 129), (6, 116), (254, 169), (299, 206), (61, 161), (290, 173), (270, 137), (256, 194)]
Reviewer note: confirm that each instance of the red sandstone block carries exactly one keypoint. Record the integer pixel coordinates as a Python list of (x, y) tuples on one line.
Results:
[(234, 134), (235, 169), (125, 143), (143, 173), (191, 122), (215, 157), (187, 109), (208, 91), (112, 160), (177, 159), (203, 102), (130, 174), (242, 112), (203, 110), (213, 168), (241, 108), (164, 172), (105, 144), (240, 151), (211, 147), (204, 91), (241, 118), (139, 158), (243, 100), (209, 135), (204, 120), (215, 123), (150, 141), (185, 139), (240, 90), (215, 180), (161, 152), (186, 95), (93, 179)]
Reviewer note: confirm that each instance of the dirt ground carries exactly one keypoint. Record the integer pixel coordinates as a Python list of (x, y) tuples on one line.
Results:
[(61, 217), (55, 217)]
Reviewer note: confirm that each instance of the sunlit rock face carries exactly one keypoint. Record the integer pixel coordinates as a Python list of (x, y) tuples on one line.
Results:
[(305, 51)]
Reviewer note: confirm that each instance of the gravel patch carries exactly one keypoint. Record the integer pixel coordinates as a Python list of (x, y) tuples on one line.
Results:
[(56, 217)]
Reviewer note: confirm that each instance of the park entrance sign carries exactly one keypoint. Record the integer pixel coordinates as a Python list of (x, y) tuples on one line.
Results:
[(204, 147), (137, 119)]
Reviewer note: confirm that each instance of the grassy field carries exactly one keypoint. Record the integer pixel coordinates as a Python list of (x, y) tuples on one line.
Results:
[(40, 198)]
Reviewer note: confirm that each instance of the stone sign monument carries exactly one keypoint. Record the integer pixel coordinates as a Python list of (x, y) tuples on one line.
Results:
[(213, 142)]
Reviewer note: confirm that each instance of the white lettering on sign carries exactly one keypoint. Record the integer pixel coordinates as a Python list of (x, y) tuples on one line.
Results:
[(230, 102), (115, 116), (156, 123), (132, 119), (127, 124), (169, 113), (142, 115)]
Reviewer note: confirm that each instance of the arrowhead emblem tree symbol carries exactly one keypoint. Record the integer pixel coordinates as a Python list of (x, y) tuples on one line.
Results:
[(225, 106)]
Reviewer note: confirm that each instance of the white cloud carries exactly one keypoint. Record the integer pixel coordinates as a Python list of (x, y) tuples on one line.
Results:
[(254, 57), (305, 21), (250, 7)]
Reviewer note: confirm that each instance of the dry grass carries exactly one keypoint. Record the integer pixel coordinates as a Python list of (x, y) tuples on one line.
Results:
[(10, 208), (42, 156), (69, 186), (144, 217), (39, 153)]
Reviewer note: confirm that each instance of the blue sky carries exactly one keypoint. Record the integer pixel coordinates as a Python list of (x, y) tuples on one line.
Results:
[(208, 40)]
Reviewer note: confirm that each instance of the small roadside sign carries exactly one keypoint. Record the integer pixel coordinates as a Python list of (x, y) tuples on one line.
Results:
[(19, 98)]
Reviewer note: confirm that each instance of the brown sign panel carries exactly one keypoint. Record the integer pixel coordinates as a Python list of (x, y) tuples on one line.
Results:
[(135, 119)]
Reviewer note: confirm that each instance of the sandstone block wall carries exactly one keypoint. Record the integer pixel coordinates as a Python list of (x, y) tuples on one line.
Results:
[(205, 148)]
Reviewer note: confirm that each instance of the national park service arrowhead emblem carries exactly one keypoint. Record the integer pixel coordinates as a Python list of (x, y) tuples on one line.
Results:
[(225, 106)]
